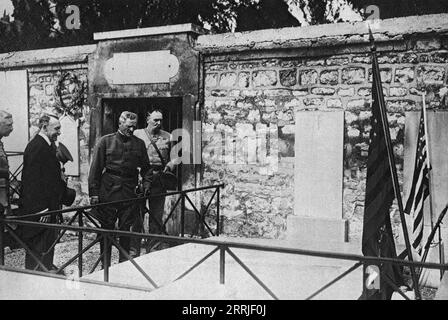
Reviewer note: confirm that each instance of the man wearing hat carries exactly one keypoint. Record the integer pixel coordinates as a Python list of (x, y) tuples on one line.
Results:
[(43, 188), (113, 177), (158, 143)]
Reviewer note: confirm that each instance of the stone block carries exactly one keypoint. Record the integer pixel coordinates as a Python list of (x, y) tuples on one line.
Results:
[(364, 59), (357, 104), (290, 63), (308, 77), (216, 67), (366, 91), (244, 79), (346, 92), (309, 229), (397, 91), (440, 57), (250, 65), (388, 58), (400, 105), (337, 61), (224, 104), (277, 92), (334, 103), (409, 57), (314, 102), (424, 58), (228, 79), (300, 92), (404, 75), (329, 77), (211, 80), (430, 74), (288, 77), (251, 93), (315, 62), (353, 75), (219, 93), (323, 91), (265, 78)]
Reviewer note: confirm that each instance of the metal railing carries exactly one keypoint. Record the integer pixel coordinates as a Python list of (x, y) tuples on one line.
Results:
[(105, 235), (223, 247)]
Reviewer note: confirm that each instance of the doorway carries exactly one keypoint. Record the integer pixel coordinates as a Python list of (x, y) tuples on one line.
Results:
[(170, 107)]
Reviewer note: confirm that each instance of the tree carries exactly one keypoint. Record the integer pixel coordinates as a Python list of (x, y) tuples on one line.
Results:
[(403, 8), (264, 14), (33, 22)]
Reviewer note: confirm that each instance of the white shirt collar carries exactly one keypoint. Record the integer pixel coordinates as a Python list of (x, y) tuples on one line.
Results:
[(45, 137)]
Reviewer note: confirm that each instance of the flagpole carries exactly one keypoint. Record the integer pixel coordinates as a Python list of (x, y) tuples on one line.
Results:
[(393, 170), (428, 155), (430, 185)]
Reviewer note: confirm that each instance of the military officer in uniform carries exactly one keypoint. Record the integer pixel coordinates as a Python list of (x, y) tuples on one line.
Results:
[(113, 176), (5, 130), (158, 145)]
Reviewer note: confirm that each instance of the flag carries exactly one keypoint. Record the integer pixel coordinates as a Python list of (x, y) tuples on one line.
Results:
[(377, 236), (420, 187)]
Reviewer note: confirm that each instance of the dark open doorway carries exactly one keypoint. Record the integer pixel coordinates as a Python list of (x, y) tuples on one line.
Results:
[(170, 107), (112, 108)]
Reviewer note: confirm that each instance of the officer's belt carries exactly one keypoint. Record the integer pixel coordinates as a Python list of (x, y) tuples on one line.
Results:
[(121, 173), (156, 167)]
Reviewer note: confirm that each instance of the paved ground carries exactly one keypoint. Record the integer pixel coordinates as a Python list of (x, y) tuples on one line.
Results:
[(287, 276)]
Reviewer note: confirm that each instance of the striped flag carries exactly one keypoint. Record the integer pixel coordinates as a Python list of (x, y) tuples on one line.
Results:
[(420, 187), (377, 236)]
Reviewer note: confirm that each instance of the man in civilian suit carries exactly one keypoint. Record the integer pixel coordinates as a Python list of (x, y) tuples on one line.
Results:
[(43, 188)]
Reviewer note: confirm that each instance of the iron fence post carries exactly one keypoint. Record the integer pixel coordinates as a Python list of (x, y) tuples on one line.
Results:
[(80, 240), (218, 224), (106, 257), (2, 229), (182, 214), (222, 264)]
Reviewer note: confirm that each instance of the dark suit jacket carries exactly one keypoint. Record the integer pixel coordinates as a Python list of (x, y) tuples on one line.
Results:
[(42, 185)]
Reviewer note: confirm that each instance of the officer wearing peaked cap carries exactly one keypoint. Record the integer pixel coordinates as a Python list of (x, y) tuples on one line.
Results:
[(114, 176)]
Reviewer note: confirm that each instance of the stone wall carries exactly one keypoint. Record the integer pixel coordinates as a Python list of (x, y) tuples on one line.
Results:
[(43, 97), (267, 92)]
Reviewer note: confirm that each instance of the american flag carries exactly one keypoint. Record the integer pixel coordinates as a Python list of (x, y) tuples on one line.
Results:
[(420, 187)]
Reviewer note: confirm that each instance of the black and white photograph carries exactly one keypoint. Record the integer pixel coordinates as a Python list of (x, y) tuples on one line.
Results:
[(229, 151)]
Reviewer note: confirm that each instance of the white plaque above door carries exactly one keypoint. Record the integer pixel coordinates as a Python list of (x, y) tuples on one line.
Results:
[(141, 67)]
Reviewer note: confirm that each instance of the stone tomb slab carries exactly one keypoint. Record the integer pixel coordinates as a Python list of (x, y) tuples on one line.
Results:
[(318, 177)]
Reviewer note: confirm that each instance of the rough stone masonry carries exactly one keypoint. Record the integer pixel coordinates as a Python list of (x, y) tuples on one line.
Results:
[(252, 82)]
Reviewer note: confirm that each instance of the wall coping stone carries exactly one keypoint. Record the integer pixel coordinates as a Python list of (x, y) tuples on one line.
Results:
[(323, 35), (60, 55), (150, 31)]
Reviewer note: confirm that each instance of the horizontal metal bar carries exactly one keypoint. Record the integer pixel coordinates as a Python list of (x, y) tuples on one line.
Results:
[(232, 244), (139, 199)]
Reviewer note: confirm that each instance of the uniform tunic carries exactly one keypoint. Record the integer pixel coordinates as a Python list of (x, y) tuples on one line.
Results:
[(114, 176)]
